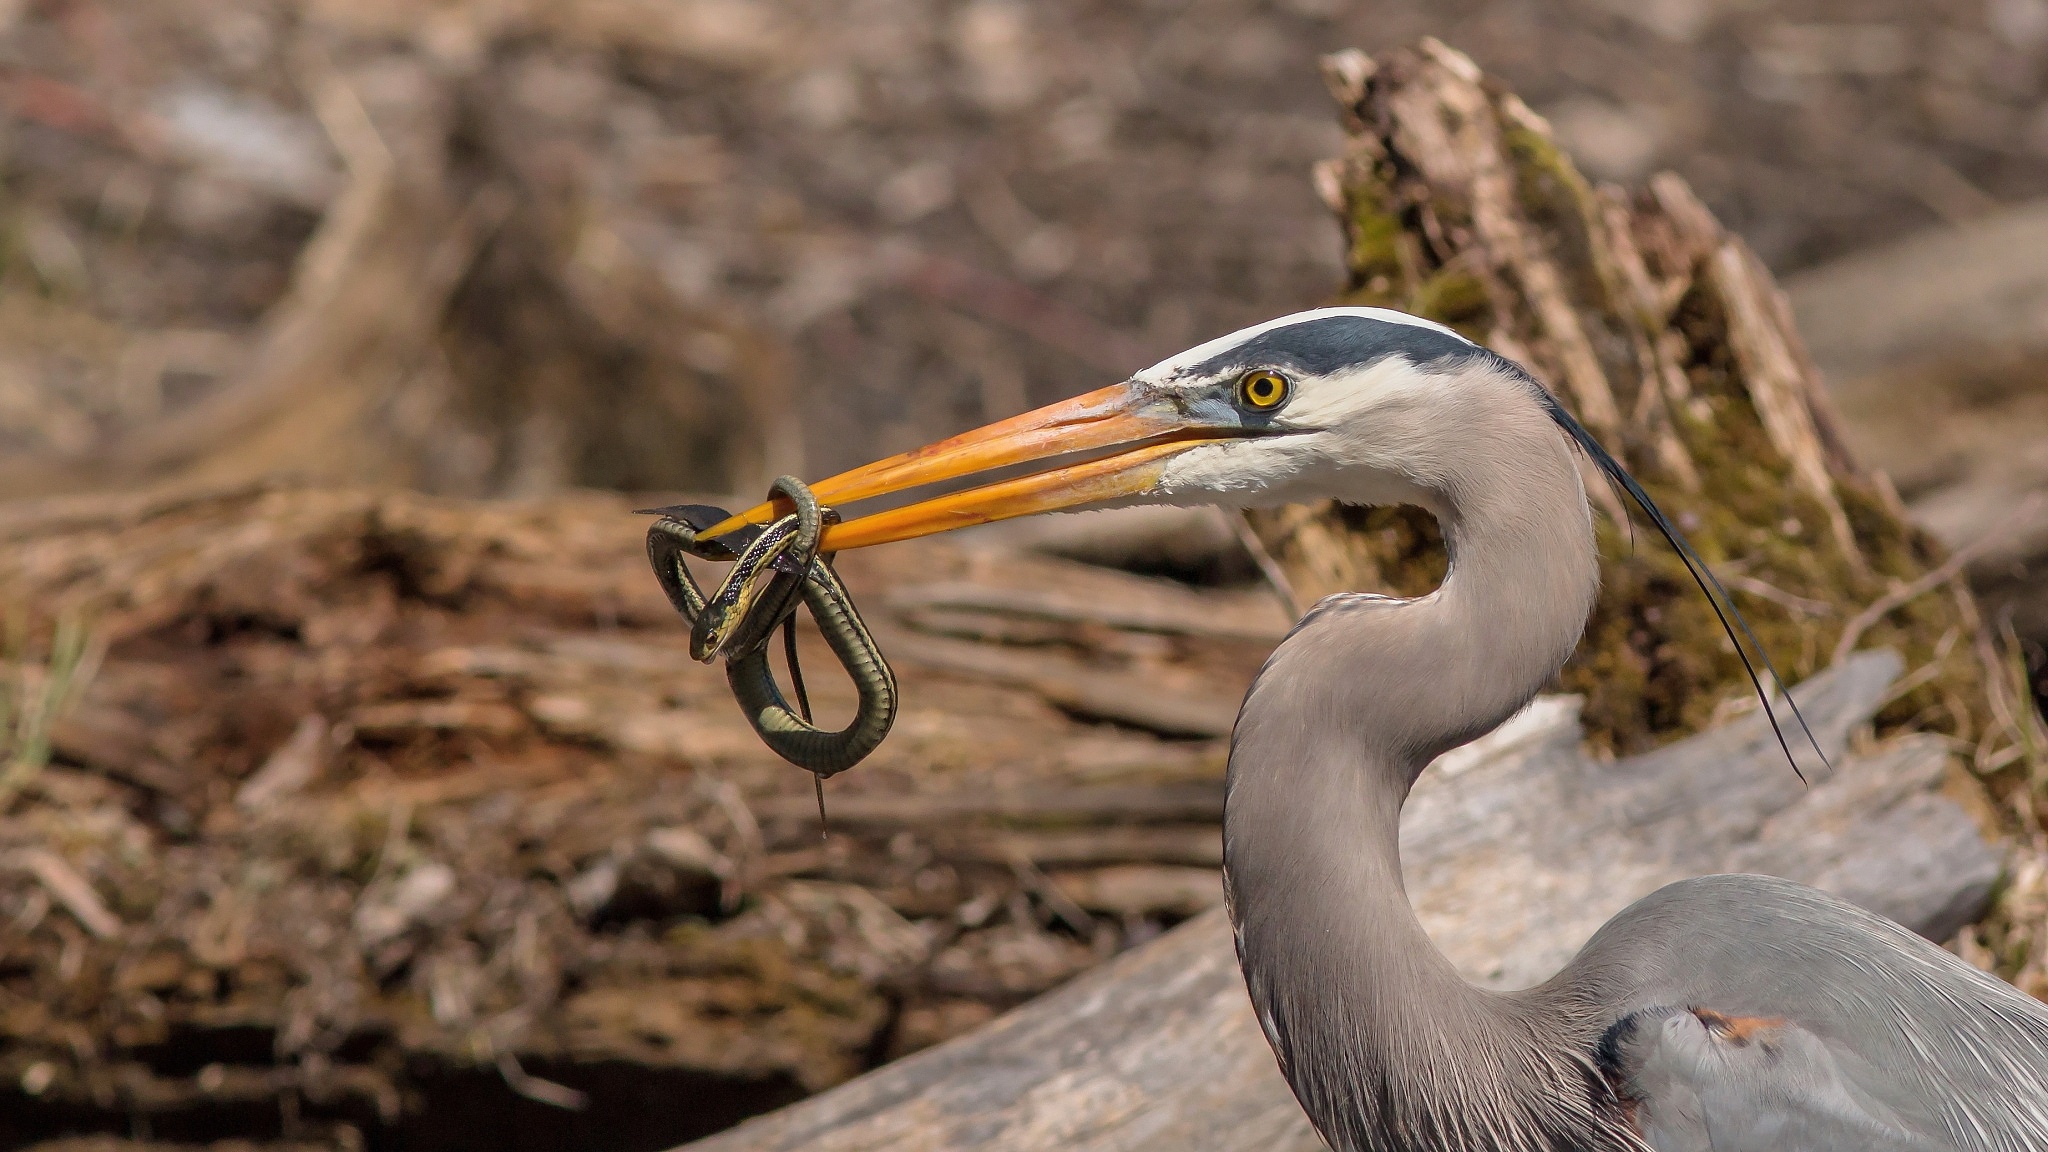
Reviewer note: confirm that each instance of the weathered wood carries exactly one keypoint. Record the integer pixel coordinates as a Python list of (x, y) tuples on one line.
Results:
[(1936, 353), (1196, 541), (1502, 869), (1073, 686), (1670, 340), (1142, 889), (1112, 804), (396, 783), (1163, 609)]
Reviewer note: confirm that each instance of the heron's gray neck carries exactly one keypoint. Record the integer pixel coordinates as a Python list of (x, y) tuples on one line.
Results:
[(1375, 1029)]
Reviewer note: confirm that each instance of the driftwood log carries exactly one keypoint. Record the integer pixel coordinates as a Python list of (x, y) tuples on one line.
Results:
[(1516, 848)]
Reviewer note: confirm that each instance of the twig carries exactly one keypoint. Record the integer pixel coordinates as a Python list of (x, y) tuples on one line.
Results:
[(1929, 581), (1777, 595), (1905, 685), (288, 769), (753, 849), (353, 214), (70, 889), (342, 116), (535, 1088), (1195, 845), (1263, 558), (1036, 882)]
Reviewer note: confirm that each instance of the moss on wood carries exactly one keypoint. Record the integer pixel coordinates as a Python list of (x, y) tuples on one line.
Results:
[(1656, 663)]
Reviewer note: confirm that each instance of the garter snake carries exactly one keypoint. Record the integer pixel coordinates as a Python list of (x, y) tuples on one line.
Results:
[(773, 569)]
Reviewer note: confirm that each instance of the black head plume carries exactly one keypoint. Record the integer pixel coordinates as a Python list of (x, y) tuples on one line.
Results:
[(1725, 611)]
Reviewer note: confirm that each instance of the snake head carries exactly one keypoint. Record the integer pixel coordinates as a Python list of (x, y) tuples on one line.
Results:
[(758, 592)]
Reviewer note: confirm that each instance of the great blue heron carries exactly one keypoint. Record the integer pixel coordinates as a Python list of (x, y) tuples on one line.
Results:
[(1724, 1013)]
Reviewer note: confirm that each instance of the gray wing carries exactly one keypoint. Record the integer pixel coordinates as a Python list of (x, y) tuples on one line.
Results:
[(1700, 1081), (1759, 1015)]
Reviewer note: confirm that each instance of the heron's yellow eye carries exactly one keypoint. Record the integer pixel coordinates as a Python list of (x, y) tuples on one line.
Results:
[(1262, 391)]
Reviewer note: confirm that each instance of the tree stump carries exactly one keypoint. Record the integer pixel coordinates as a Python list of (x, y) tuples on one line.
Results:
[(1668, 339)]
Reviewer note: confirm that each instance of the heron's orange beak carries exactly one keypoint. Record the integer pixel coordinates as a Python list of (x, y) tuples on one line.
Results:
[(1144, 432)]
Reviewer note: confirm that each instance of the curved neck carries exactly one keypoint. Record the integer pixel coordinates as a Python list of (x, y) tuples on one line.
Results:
[(1375, 1030)]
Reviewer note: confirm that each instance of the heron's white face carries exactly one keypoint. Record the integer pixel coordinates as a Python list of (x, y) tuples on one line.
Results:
[(1338, 402), (1361, 390)]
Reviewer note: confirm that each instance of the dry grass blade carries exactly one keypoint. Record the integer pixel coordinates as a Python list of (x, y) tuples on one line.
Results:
[(1935, 578), (2017, 721), (35, 695)]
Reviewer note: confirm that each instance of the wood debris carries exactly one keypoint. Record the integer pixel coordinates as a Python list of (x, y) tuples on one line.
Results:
[(367, 780)]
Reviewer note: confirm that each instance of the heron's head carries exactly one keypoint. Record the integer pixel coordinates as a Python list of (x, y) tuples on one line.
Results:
[(1363, 405), (1359, 404)]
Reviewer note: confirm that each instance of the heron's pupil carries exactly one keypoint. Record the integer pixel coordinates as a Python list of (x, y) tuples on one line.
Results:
[(1263, 390)]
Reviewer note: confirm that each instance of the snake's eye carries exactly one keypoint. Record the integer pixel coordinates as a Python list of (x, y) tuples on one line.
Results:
[(1261, 391)]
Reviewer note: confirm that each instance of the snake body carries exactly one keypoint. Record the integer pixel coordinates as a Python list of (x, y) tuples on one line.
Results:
[(739, 618)]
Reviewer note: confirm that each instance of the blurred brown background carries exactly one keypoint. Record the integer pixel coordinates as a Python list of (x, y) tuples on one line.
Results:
[(654, 245), (506, 248), (635, 228)]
